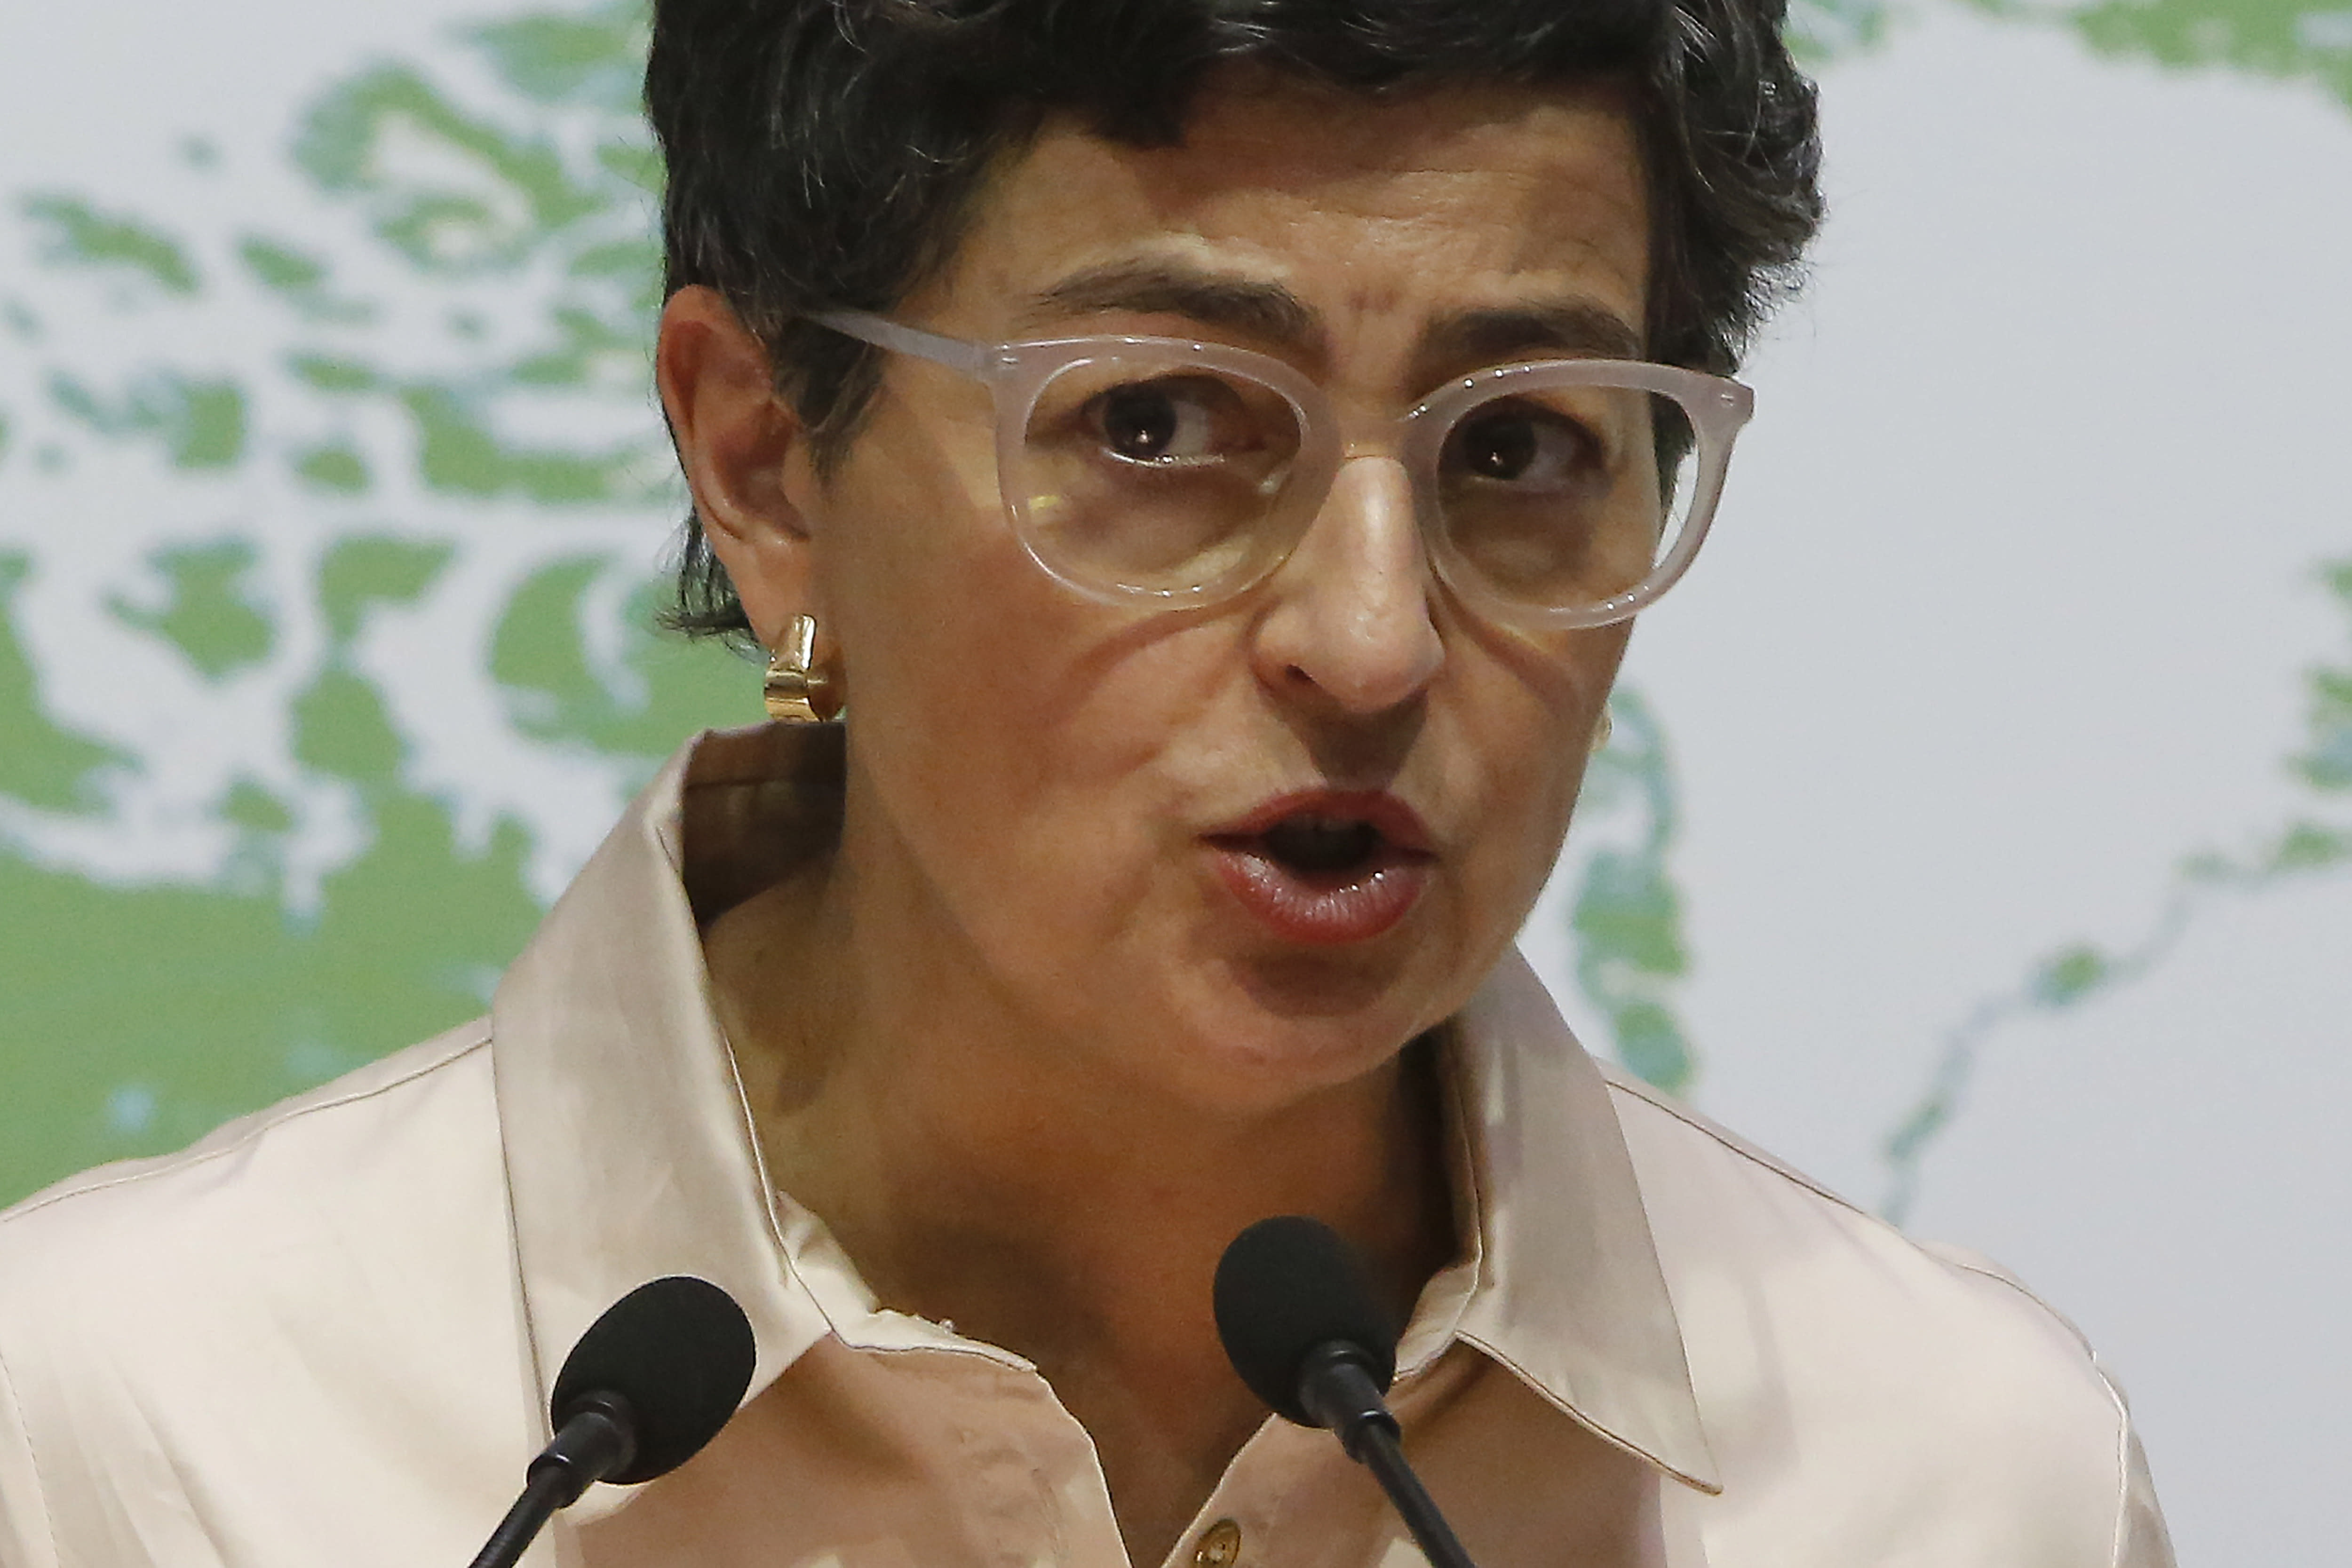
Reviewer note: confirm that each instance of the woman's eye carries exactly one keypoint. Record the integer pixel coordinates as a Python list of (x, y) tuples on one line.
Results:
[(1523, 447), (1169, 421)]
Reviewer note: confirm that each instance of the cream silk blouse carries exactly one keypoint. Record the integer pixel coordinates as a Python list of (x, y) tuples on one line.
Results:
[(324, 1335)]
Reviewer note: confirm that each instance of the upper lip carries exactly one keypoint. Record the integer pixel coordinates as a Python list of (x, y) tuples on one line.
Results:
[(1397, 822)]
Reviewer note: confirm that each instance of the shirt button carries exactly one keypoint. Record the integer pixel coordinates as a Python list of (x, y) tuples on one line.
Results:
[(1221, 1546)]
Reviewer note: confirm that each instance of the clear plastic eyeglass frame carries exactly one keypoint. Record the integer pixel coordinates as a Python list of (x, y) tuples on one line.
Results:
[(1018, 373)]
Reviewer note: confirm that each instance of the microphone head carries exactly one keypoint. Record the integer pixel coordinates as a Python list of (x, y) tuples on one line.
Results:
[(1285, 1287), (679, 1351)]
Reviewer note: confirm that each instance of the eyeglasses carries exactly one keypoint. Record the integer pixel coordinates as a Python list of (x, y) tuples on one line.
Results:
[(1556, 494)]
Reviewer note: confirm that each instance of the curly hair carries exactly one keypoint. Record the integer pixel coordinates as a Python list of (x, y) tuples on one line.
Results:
[(828, 153)]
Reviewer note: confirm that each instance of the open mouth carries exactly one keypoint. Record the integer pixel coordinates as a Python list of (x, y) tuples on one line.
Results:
[(1310, 845), (1326, 868)]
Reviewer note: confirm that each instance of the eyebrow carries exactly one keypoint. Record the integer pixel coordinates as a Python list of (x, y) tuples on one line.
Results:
[(1494, 335), (1269, 312), (1244, 305)]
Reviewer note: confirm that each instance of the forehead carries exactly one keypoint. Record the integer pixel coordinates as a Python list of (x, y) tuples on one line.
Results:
[(1373, 212)]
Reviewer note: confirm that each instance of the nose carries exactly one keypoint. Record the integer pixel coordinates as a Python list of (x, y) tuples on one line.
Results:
[(1350, 624)]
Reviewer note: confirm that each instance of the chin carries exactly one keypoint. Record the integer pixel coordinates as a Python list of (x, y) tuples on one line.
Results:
[(1259, 1033)]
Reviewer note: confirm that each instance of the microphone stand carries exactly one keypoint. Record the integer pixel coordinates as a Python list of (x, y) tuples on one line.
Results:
[(542, 1494), (1381, 1455), (598, 1439), (651, 1382), (1338, 1392)]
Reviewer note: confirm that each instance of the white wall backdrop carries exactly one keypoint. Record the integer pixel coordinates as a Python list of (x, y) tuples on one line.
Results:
[(1978, 835)]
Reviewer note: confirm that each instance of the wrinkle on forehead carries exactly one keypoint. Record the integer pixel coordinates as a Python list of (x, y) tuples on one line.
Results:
[(1382, 215)]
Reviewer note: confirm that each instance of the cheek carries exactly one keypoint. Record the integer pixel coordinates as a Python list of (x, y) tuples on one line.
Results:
[(901, 531), (1521, 743), (925, 589), (1004, 726)]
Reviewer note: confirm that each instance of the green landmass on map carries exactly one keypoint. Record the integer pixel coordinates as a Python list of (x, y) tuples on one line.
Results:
[(139, 1010)]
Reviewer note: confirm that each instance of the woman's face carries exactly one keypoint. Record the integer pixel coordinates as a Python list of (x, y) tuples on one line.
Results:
[(1241, 853)]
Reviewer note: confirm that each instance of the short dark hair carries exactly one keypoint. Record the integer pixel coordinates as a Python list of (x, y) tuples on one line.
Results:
[(827, 152)]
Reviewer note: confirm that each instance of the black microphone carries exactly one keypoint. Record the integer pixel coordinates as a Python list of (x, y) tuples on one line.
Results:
[(1302, 1326), (648, 1385)]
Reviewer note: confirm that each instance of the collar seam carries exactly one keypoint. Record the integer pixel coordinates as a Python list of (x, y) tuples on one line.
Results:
[(472, 1036), (1620, 1081), (1567, 1408)]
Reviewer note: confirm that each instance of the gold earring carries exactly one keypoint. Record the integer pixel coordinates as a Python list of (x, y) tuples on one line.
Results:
[(797, 692), (1602, 731)]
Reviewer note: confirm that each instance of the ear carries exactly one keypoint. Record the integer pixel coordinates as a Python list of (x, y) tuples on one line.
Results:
[(744, 453)]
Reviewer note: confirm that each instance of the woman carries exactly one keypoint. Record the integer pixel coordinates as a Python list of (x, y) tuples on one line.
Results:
[(1194, 465)]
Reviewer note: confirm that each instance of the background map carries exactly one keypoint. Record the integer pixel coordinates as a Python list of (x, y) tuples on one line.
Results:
[(1978, 829)]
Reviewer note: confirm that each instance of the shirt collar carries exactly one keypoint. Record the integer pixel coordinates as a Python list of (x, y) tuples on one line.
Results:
[(630, 1154), (1567, 1291)]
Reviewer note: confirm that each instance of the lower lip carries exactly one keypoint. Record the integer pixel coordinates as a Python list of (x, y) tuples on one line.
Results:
[(1322, 909)]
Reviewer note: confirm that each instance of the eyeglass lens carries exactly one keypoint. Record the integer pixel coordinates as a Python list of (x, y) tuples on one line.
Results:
[(1562, 497), (1158, 475)]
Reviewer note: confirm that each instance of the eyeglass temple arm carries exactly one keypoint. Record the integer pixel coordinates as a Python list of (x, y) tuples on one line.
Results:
[(971, 359)]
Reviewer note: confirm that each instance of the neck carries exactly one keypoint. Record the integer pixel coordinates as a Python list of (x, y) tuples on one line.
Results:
[(1014, 1185), (943, 1142)]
